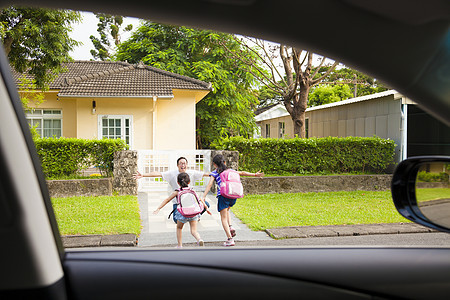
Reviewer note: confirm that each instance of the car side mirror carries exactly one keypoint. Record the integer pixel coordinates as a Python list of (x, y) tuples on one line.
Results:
[(420, 190)]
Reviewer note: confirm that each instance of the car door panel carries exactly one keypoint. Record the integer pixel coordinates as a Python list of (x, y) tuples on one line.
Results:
[(382, 272), (149, 280)]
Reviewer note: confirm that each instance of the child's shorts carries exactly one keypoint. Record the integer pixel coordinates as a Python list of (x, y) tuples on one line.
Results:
[(223, 202), (183, 219)]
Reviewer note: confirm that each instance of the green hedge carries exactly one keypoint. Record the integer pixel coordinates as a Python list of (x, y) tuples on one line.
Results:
[(64, 157), (314, 155), (432, 177)]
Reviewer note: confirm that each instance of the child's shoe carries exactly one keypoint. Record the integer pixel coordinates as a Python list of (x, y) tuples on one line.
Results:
[(232, 231), (229, 242), (179, 247), (200, 243)]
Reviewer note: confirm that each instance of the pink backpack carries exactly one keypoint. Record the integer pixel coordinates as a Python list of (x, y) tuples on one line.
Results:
[(188, 203), (231, 186)]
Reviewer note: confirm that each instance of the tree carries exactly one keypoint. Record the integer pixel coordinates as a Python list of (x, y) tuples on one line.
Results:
[(335, 87), (109, 29), (324, 94), (361, 83), (37, 40), (29, 93), (291, 82), (228, 109), (267, 97)]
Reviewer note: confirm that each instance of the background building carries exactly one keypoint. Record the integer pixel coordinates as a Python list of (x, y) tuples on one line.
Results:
[(387, 114)]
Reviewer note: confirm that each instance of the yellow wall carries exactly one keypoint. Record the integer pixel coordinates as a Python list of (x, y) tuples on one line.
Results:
[(139, 109), (176, 122), (68, 109), (174, 118)]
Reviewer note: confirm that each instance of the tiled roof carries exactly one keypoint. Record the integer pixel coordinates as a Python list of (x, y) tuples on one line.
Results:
[(119, 79)]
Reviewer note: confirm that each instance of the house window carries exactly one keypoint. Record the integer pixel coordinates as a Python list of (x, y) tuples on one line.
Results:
[(115, 127), (48, 122), (281, 129), (267, 130), (306, 128)]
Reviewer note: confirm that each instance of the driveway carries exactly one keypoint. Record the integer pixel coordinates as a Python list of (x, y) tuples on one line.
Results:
[(159, 230)]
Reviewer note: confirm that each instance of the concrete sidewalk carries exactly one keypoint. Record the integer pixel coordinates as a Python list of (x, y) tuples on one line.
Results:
[(130, 240), (345, 230), (301, 235)]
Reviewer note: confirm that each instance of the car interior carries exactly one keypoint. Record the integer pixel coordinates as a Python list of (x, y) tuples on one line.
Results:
[(404, 43)]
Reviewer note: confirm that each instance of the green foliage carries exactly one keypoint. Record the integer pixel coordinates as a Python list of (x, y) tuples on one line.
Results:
[(108, 28), (267, 96), (337, 86), (366, 85), (313, 155), (37, 40), (432, 177), (228, 109), (260, 212), (66, 156), (324, 94), (29, 92), (97, 215)]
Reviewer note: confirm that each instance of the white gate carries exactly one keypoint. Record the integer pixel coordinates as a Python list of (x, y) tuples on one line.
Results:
[(165, 160)]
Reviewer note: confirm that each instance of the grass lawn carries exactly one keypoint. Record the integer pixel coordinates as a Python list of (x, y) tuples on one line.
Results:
[(432, 194), (97, 215), (260, 212)]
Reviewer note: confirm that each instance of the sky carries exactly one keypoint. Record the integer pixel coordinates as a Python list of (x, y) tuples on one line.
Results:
[(88, 26)]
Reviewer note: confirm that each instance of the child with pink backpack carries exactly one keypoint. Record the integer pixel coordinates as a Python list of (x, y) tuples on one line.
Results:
[(229, 188), (189, 208)]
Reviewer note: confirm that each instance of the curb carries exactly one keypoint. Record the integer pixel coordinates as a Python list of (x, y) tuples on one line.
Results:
[(116, 240), (131, 240), (345, 230)]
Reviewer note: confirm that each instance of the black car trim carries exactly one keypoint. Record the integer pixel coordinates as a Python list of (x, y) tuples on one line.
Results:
[(17, 105)]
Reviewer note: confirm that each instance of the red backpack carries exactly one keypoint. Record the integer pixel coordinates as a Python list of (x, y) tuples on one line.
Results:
[(188, 203), (231, 186)]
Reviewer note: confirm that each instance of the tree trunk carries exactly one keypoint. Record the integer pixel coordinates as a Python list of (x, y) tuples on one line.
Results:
[(299, 121), (299, 112)]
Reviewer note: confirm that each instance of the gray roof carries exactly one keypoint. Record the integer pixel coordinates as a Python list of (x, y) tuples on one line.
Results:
[(119, 79), (279, 110)]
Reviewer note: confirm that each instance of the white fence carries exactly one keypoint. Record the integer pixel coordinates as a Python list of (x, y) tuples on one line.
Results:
[(162, 161)]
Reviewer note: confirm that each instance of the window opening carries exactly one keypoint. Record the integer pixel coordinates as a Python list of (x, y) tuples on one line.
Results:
[(48, 122)]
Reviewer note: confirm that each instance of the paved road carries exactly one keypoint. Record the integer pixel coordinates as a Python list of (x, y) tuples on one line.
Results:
[(437, 210), (384, 240), (394, 240)]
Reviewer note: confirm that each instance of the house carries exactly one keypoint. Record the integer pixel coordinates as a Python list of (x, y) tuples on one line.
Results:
[(147, 107), (387, 114)]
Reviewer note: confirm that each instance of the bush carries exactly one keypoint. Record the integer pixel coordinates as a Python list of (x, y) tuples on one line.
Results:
[(313, 155), (424, 176), (63, 157)]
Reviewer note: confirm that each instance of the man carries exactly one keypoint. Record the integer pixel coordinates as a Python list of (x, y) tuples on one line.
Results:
[(171, 178)]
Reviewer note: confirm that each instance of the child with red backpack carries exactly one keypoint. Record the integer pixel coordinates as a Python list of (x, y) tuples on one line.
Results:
[(189, 208), (229, 188)]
